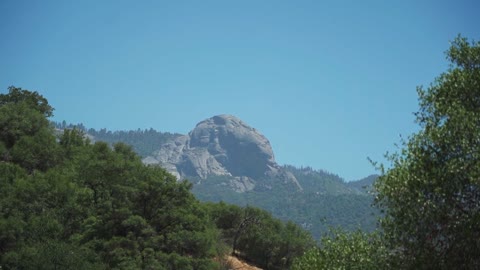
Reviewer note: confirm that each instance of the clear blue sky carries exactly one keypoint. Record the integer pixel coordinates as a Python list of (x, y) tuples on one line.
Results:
[(330, 83)]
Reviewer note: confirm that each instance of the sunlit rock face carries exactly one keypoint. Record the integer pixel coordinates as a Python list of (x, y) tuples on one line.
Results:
[(222, 145)]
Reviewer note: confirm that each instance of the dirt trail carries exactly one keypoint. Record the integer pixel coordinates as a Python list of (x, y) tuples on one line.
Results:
[(236, 264)]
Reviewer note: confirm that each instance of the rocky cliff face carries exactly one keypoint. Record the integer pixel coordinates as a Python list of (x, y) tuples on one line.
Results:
[(222, 145)]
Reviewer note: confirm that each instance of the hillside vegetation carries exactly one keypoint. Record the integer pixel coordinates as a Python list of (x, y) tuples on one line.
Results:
[(68, 203), (326, 199), (431, 192), (325, 202)]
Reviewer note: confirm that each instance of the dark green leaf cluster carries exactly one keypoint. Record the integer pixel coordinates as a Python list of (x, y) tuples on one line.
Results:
[(25, 135)]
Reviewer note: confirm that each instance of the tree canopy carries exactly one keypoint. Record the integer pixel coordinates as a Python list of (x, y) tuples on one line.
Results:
[(431, 194)]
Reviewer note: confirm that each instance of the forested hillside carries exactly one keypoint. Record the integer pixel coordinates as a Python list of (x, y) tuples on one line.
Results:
[(143, 141), (68, 203), (365, 184), (326, 199)]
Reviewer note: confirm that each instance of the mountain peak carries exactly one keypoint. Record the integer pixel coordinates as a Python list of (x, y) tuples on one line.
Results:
[(221, 145)]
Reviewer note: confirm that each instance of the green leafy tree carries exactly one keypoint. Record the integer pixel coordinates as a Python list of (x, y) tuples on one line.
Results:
[(37, 152), (33, 99), (255, 235), (72, 141), (345, 250), (431, 194), (25, 134)]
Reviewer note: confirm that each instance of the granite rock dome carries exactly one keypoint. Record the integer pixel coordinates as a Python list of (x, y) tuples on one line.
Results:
[(222, 145)]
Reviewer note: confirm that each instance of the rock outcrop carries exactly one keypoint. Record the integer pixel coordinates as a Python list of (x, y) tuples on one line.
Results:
[(222, 145)]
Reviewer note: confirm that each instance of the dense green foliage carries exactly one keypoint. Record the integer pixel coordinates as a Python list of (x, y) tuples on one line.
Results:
[(343, 250), (258, 237), (68, 203), (432, 192), (72, 204), (25, 137)]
